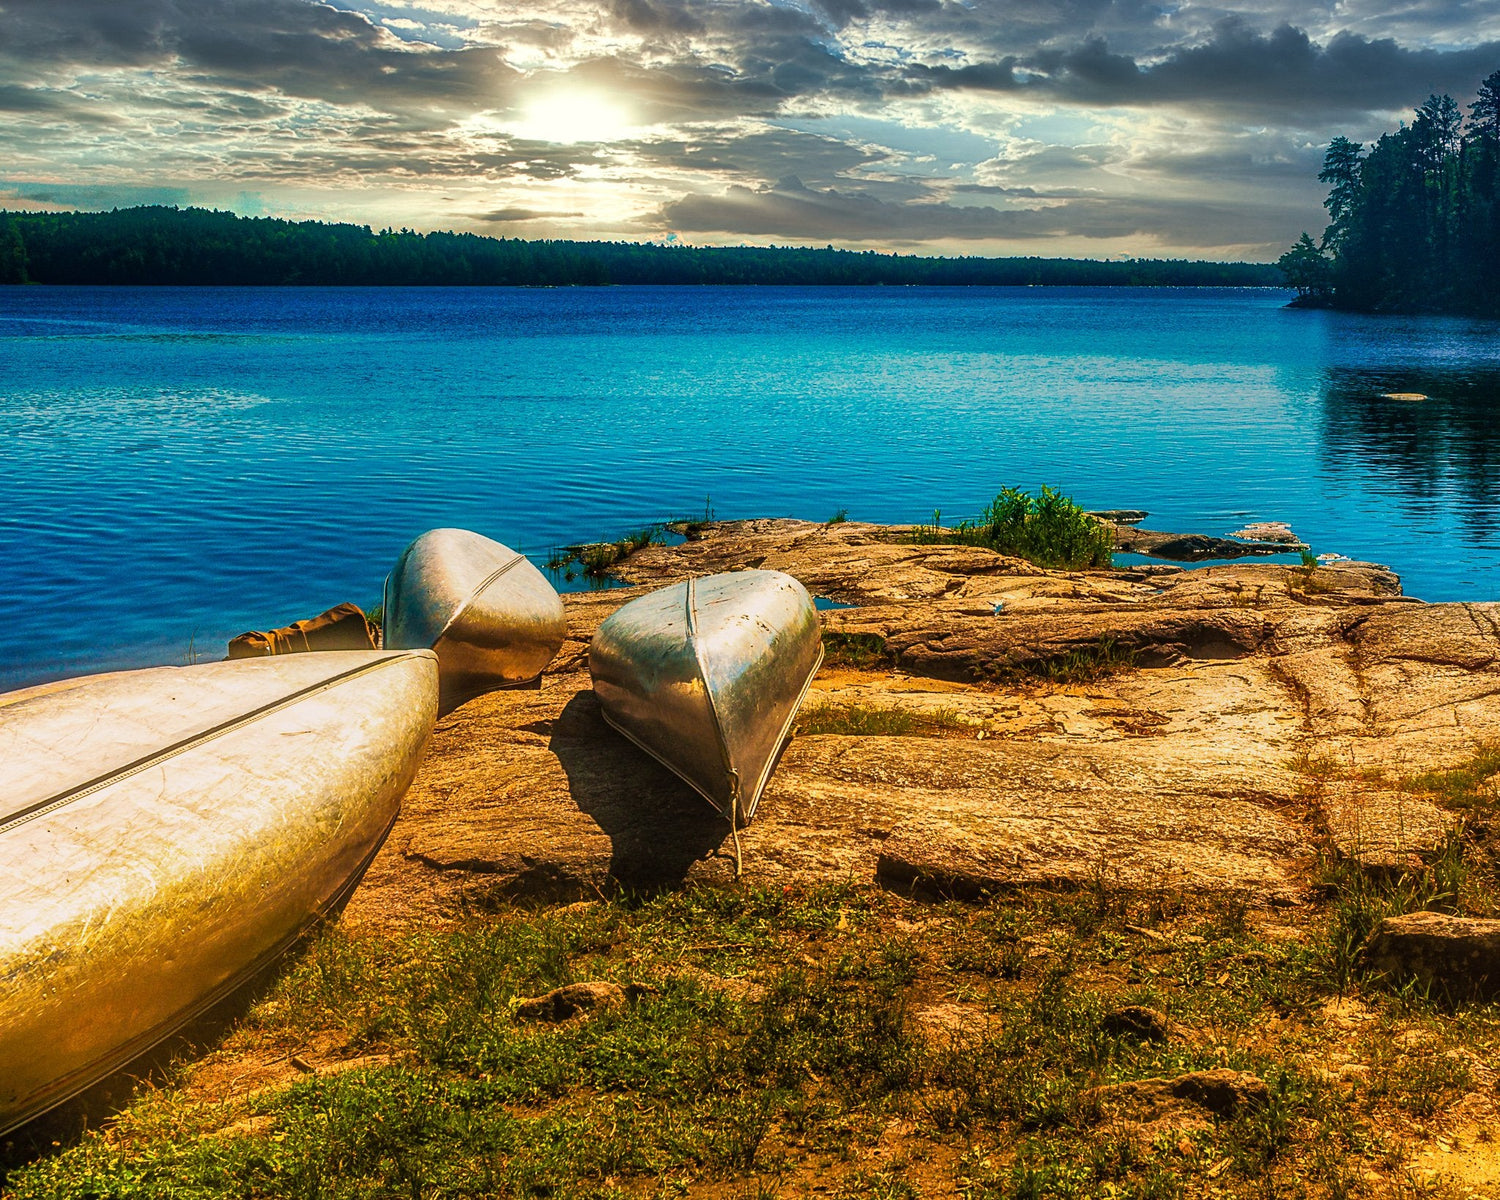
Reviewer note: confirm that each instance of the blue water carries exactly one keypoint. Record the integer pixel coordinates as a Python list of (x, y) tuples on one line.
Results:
[(177, 466)]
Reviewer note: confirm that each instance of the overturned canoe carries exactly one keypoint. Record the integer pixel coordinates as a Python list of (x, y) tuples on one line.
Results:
[(707, 675), (165, 834), (488, 613)]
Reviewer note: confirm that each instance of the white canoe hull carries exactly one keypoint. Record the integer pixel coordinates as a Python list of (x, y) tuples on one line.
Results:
[(707, 676), (165, 834), (490, 616)]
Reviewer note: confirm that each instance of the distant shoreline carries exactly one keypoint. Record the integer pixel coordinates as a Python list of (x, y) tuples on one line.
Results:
[(161, 246)]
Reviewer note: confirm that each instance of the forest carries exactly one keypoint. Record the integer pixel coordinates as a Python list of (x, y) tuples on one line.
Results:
[(191, 246), (1414, 219)]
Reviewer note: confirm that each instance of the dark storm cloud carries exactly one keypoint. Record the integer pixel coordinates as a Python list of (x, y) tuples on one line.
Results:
[(299, 48), (791, 209), (1284, 73), (44, 102)]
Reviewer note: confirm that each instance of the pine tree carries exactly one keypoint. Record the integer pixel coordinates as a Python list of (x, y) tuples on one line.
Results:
[(1484, 113), (1341, 172)]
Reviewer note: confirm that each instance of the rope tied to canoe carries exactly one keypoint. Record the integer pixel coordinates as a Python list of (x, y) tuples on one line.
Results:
[(734, 832)]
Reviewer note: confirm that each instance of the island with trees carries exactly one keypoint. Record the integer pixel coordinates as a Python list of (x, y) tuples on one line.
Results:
[(1414, 220), (166, 245)]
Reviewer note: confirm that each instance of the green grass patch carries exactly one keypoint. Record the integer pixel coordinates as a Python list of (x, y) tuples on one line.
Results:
[(1049, 530), (1468, 787), (1084, 664), (596, 559), (861, 720), (777, 1039), (858, 651)]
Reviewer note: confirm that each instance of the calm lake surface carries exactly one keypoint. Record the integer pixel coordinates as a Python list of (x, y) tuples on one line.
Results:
[(180, 465)]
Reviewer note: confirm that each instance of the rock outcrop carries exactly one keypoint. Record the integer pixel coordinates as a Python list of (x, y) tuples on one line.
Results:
[(1201, 731), (1457, 956)]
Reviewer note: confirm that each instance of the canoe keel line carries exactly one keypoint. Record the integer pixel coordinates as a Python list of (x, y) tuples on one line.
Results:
[(706, 676), (490, 616)]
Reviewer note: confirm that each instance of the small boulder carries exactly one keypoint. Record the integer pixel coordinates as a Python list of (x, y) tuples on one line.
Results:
[(1138, 1022), (570, 1000), (1224, 1092), (1455, 955), (1161, 1102)]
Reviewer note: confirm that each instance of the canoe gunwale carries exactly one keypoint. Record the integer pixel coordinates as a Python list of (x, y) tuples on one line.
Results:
[(102, 1068), (784, 735), (79, 791)]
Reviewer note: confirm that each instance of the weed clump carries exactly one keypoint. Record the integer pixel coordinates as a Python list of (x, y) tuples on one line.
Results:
[(1083, 664), (1049, 530), (860, 651), (596, 559), (860, 720)]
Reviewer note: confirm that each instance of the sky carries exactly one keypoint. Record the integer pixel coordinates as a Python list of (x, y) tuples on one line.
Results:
[(1090, 128)]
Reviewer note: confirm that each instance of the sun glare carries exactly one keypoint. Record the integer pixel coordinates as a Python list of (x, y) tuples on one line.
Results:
[(571, 117)]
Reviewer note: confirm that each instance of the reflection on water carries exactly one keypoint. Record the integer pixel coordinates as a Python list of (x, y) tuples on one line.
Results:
[(1443, 451)]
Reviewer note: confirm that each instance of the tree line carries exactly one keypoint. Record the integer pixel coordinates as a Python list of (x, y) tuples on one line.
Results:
[(1414, 221), (191, 246)]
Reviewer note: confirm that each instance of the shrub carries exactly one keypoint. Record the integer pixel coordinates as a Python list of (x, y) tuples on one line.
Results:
[(1049, 530)]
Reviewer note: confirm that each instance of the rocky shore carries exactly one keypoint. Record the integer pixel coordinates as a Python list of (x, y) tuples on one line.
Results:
[(1149, 883), (1205, 731)]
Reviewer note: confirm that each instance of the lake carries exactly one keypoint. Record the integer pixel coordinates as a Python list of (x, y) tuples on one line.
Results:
[(181, 465)]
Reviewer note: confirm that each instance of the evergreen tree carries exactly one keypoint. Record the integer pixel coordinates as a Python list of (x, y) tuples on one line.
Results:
[(1484, 113), (1307, 269), (12, 254), (1415, 222), (1341, 172)]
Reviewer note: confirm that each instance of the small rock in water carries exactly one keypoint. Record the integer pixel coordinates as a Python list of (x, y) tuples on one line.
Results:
[(1270, 531), (1411, 397)]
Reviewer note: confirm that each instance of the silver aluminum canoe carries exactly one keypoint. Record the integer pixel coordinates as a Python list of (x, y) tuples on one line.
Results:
[(165, 834), (707, 676), (488, 613)]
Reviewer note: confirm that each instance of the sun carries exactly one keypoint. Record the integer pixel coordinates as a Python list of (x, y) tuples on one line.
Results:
[(573, 116)]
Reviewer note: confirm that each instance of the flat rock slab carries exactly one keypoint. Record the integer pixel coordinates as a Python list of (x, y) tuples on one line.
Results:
[(1382, 828), (1175, 768)]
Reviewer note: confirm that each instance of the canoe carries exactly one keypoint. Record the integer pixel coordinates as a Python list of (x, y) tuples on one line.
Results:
[(706, 676), (488, 613), (165, 834)]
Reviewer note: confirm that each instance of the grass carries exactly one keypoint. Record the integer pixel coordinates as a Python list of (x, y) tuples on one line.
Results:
[(1083, 664), (596, 559), (856, 651), (1468, 787), (1049, 530), (1461, 877), (858, 720), (776, 1041)]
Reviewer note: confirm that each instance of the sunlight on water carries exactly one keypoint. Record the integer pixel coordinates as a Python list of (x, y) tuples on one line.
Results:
[(182, 465)]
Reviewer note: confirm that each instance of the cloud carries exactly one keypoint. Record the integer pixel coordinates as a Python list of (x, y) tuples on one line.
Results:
[(1118, 123), (503, 216), (790, 209), (1283, 73)]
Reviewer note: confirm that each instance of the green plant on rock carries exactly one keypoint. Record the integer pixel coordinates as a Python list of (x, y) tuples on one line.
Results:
[(1049, 530)]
